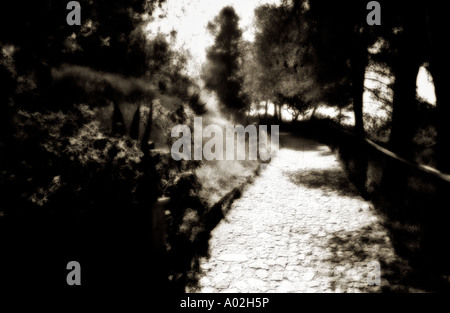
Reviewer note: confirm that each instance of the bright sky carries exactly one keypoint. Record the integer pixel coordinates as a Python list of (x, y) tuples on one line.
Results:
[(425, 86), (190, 18)]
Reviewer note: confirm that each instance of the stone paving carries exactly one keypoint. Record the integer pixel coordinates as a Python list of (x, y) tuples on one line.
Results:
[(300, 227)]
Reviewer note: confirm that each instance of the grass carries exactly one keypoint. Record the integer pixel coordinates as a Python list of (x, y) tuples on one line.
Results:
[(220, 177)]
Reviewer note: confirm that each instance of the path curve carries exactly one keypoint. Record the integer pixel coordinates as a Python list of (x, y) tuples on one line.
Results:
[(300, 227)]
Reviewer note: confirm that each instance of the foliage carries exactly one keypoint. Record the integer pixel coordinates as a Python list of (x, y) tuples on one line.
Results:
[(66, 159), (109, 39), (79, 84), (278, 66), (166, 66), (197, 104), (221, 73), (219, 177)]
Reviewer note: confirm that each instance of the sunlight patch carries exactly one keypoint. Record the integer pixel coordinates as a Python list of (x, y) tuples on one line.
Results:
[(425, 86)]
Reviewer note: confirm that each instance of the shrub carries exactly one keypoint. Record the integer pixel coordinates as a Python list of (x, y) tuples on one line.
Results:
[(83, 85), (64, 160)]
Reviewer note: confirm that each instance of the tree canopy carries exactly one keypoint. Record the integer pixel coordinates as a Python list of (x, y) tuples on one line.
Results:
[(222, 71)]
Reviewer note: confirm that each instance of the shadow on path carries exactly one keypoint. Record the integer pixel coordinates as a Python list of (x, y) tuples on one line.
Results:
[(303, 227), (328, 180), (365, 245), (297, 142)]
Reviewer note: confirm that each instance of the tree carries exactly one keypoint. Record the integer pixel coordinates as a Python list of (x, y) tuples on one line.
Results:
[(404, 32), (110, 37), (341, 41), (165, 66), (439, 68), (221, 73), (255, 78), (283, 71), (62, 159)]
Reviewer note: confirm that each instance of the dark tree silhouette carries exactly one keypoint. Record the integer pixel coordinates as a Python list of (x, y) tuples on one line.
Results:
[(110, 37), (221, 73), (341, 40), (134, 129), (439, 68), (407, 26)]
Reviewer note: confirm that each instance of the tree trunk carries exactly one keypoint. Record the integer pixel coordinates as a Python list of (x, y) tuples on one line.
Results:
[(313, 112), (359, 61), (441, 83), (148, 129), (118, 124), (8, 84), (404, 112), (279, 113), (134, 130), (437, 218), (404, 119), (266, 109), (440, 69)]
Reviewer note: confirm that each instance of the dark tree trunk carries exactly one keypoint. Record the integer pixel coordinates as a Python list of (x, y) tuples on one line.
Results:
[(441, 83), (409, 56), (279, 113), (440, 69), (118, 124), (359, 164), (266, 109), (404, 117), (359, 61), (436, 228), (313, 112), (8, 84), (147, 132), (134, 131), (404, 113)]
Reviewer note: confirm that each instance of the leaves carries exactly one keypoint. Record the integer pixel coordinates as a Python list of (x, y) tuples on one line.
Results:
[(221, 73), (278, 66)]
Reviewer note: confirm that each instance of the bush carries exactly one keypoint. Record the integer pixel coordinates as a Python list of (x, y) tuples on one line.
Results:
[(83, 85), (62, 159)]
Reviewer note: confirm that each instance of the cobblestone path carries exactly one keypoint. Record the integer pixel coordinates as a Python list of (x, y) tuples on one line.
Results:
[(300, 227)]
